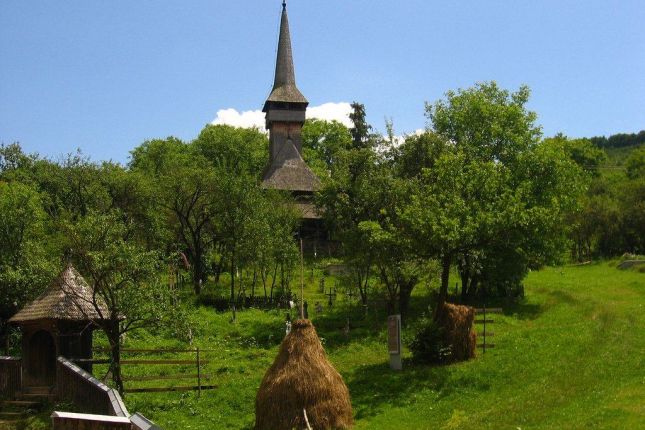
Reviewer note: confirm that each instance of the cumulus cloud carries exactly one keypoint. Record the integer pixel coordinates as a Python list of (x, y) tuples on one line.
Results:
[(255, 118), (246, 119), (332, 111)]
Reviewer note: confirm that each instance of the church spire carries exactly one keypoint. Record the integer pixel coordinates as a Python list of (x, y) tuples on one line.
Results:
[(284, 84)]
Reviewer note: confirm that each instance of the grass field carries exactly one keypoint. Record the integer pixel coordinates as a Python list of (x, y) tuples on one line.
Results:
[(570, 356)]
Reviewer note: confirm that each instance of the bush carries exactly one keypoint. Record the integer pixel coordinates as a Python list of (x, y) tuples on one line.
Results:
[(428, 344)]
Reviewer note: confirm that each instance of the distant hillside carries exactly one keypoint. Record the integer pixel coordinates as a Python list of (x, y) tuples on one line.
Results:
[(620, 140), (619, 146)]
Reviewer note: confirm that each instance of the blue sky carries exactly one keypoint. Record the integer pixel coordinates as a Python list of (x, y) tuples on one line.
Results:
[(104, 76)]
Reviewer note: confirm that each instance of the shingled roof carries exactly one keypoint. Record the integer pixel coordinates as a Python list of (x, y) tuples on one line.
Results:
[(69, 297), (288, 171), (284, 84)]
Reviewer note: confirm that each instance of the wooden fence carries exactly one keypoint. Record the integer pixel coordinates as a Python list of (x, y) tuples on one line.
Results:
[(198, 376), (10, 376), (484, 312)]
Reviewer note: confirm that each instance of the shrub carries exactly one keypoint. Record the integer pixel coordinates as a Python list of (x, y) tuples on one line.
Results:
[(428, 343)]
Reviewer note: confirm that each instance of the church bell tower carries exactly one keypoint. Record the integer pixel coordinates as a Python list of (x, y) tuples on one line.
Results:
[(285, 115)]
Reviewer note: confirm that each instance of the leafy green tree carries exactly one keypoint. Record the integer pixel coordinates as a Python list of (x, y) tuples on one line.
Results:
[(393, 255), (26, 263), (582, 151), (322, 142), (238, 150), (187, 194), (348, 195), (635, 164), (127, 292), (493, 189)]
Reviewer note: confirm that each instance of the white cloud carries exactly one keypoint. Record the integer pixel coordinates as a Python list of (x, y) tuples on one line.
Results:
[(255, 118), (246, 119), (332, 111)]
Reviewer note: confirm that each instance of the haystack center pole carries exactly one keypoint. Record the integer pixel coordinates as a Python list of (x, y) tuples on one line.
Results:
[(302, 282)]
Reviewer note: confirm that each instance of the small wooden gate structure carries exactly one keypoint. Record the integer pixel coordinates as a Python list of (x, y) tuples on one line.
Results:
[(484, 321)]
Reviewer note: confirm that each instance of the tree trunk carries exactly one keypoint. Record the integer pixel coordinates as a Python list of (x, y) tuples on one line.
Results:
[(264, 275), (198, 272), (115, 356), (232, 280), (405, 291), (275, 273), (445, 278), (255, 278)]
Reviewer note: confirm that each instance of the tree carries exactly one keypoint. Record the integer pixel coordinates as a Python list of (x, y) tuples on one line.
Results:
[(236, 150), (635, 164), (127, 293), (322, 142), (348, 195), (25, 263), (397, 263), (493, 189), (585, 154)]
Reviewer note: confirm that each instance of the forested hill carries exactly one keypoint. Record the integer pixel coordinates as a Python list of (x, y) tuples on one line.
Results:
[(620, 140)]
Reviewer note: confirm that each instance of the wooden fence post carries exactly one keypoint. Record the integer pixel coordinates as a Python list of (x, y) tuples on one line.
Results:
[(199, 376)]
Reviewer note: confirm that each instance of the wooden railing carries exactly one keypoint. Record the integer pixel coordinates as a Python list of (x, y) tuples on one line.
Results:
[(10, 377), (88, 393), (197, 362)]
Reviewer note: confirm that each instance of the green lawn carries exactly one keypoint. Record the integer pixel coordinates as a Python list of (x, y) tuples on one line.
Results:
[(571, 356)]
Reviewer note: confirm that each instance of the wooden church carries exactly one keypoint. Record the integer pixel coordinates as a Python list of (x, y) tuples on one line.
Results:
[(285, 110)]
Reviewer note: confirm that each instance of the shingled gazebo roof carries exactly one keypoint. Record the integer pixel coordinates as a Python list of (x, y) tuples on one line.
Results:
[(68, 298)]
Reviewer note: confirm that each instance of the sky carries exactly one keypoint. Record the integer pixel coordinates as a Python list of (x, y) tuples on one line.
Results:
[(105, 76)]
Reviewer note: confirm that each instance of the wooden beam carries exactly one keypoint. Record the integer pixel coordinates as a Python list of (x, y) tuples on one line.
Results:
[(489, 310), (484, 321), (168, 389), (160, 351), (161, 377), (162, 362)]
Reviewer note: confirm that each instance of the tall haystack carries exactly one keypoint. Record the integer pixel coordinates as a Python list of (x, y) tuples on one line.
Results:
[(302, 379), (457, 322)]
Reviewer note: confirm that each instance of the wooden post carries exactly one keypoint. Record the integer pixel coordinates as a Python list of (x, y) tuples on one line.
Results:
[(484, 328), (199, 376), (302, 281)]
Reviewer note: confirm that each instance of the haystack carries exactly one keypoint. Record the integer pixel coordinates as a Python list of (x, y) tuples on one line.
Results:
[(302, 379), (457, 322)]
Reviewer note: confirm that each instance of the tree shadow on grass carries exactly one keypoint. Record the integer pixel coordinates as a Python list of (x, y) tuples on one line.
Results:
[(374, 386), (564, 297)]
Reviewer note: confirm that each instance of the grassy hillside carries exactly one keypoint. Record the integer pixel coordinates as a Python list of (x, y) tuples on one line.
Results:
[(570, 356)]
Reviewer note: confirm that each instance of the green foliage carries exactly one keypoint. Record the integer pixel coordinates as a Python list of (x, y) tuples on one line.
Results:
[(322, 143), (232, 149), (620, 140), (586, 155), (25, 260), (488, 188), (610, 220), (635, 164), (486, 122), (427, 345), (127, 294)]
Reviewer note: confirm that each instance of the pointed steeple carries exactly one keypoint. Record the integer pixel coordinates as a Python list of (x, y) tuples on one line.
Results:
[(284, 84)]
